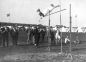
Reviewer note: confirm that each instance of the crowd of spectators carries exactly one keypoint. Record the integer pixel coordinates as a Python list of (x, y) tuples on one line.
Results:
[(35, 34)]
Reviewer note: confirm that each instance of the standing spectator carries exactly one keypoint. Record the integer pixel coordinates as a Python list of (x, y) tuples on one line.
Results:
[(28, 35), (67, 40), (42, 32), (5, 35), (14, 35), (52, 35), (31, 36), (37, 36)]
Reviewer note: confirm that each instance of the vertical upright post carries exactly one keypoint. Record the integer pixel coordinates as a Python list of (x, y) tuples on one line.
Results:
[(60, 14), (49, 40), (61, 27), (76, 20), (70, 27), (49, 19)]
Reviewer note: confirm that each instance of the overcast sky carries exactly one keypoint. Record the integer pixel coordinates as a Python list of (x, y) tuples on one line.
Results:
[(24, 11)]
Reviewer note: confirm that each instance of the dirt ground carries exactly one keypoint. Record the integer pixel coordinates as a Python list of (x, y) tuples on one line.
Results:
[(29, 53)]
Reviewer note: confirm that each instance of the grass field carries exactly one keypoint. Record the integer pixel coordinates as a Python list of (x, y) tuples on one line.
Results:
[(29, 53)]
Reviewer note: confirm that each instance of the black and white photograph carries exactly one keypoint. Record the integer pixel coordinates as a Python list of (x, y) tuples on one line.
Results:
[(42, 30)]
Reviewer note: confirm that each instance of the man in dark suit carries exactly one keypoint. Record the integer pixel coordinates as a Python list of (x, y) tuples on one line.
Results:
[(14, 35), (37, 36), (42, 33), (5, 35)]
